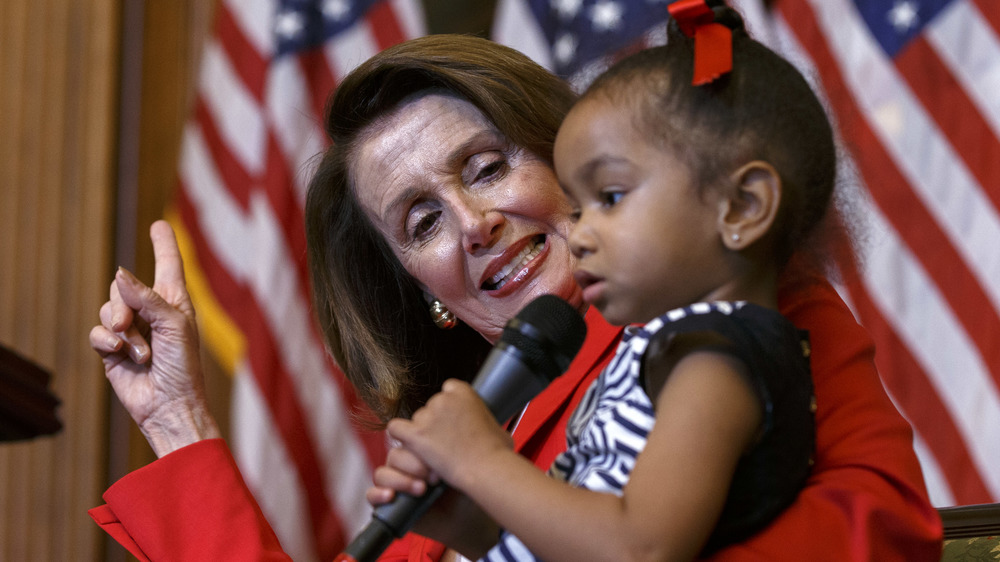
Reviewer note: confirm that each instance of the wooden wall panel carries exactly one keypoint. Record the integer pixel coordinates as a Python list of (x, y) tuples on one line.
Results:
[(58, 70)]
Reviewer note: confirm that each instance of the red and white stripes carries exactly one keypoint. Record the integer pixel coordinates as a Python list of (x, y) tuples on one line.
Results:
[(247, 155)]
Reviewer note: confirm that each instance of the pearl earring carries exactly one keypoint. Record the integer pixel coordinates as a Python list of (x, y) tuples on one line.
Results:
[(736, 237)]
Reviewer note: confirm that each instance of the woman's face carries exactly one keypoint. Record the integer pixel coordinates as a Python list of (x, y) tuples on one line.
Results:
[(480, 223)]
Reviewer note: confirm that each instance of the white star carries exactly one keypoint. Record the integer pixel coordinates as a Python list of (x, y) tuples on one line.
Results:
[(567, 9), (903, 15), (564, 48), (606, 15), (336, 10), (288, 24)]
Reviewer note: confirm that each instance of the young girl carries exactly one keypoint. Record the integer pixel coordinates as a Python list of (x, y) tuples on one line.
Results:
[(693, 187)]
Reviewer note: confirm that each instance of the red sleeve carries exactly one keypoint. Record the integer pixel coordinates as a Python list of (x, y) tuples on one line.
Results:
[(189, 505), (193, 505), (866, 498)]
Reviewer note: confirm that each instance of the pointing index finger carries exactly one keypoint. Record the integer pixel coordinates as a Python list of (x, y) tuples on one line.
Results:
[(169, 277)]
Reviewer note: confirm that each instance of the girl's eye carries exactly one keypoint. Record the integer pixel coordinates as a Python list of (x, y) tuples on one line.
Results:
[(611, 198), (574, 215)]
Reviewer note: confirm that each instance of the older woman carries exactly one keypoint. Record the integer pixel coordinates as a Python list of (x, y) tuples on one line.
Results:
[(437, 199)]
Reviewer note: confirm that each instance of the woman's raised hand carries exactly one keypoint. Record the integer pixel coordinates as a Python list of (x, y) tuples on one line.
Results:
[(148, 341)]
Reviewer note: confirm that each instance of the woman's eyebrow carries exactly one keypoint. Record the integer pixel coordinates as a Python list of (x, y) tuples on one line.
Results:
[(481, 138), (404, 197)]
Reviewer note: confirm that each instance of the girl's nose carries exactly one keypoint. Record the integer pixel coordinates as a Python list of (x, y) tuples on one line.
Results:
[(581, 242)]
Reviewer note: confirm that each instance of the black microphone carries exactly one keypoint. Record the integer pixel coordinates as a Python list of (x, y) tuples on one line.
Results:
[(537, 346)]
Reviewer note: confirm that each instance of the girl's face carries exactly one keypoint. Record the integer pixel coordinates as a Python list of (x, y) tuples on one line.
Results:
[(480, 223), (645, 240)]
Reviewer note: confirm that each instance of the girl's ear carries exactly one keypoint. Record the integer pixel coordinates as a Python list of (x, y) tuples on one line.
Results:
[(751, 205)]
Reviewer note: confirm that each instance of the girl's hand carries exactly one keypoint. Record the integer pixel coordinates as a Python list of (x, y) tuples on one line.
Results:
[(403, 471), (148, 341), (453, 520), (453, 433)]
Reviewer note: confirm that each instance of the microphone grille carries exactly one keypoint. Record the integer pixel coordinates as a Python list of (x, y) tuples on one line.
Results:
[(548, 332)]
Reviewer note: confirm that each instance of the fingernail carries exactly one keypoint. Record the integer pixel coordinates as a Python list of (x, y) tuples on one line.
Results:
[(126, 274), (114, 343), (116, 320), (139, 353)]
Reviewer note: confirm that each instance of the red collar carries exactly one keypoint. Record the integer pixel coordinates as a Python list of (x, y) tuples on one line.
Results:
[(602, 338)]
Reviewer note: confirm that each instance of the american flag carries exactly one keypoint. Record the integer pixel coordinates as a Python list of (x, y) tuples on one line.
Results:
[(579, 39), (255, 130), (912, 88)]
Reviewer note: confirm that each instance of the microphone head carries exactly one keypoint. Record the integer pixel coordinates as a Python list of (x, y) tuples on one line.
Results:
[(548, 332)]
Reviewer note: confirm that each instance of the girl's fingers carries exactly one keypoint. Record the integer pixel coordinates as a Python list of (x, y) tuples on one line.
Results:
[(392, 479), (378, 496), (404, 460)]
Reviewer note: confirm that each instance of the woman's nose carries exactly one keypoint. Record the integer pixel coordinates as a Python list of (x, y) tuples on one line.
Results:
[(481, 226)]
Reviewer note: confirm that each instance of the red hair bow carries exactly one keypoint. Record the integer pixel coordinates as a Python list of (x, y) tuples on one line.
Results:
[(713, 42)]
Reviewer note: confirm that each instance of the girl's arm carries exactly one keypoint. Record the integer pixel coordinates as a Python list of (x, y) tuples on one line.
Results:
[(707, 416)]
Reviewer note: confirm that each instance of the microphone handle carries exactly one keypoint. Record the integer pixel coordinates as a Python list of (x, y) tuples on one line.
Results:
[(392, 520), (389, 522)]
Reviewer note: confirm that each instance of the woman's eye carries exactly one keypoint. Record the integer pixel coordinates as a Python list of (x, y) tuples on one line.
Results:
[(421, 225), (491, 169)]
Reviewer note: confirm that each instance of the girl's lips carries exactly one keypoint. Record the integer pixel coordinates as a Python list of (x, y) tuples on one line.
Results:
[(584, 279), (521, 273), (591, 285)]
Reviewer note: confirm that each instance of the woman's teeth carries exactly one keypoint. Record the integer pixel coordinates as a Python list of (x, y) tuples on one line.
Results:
[(520, 260)]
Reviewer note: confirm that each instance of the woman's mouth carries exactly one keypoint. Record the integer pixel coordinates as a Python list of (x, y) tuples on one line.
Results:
[(511, 270)]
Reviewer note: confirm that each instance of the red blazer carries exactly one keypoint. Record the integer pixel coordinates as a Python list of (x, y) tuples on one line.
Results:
[(865, 500)]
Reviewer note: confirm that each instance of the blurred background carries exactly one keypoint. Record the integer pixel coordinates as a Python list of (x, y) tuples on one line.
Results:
[(114, 113)]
